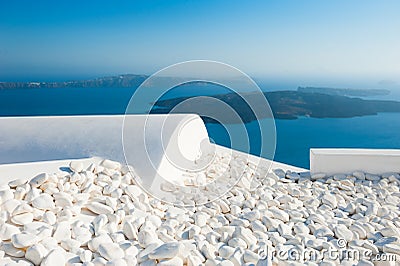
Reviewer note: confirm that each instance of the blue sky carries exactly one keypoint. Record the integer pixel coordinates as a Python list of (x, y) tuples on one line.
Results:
[(303, 40)]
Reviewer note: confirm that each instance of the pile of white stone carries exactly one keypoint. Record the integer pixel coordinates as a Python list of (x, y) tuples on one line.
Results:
[(98, 215)]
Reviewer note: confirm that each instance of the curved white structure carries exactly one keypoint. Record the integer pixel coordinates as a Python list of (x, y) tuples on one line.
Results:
[(149, 140)]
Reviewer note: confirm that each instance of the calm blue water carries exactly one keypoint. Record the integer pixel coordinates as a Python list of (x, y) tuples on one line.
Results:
[(294, 137)]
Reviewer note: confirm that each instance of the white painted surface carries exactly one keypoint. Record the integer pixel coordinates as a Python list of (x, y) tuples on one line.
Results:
[(28, 139), (164, 146), (26, 171), (374, 161), (149, 140)]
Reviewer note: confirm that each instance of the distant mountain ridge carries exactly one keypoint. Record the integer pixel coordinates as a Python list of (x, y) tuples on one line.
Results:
[(344, 92), (121, 81)]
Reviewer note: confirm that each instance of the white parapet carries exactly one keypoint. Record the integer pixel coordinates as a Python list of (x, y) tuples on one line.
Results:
[(147, 139), (374, 161)]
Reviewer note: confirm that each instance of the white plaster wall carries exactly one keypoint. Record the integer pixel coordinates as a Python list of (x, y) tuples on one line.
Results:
[(31, 139), (28, 139), (374, 161)]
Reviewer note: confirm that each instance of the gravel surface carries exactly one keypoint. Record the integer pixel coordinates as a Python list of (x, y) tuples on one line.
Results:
[(98, 215)]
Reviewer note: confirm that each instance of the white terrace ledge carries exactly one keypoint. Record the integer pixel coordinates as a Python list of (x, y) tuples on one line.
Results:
[(374, 161), (31, 145)]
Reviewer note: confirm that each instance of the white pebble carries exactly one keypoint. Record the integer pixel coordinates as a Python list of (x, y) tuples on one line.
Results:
[(24, 240), (341, 231), (117, 262), (147, 237), (86, 256), (76, 166), (6, 195), (62, 232), (330, 200), (99, 208), (44, 202), (96, 241), (111, 251), (318, 176), (301, 229), (359, 175), (171, 262), (200, 219), (49, 218), (12, 251), (252, 215), (226, 251), (36, 253), (392, 248), (55, 257), (166, 251), (250, 257), (16, 182), (22, 219), (280, 214), (8, 230), (110, 164), (39, 180), (129, 230)]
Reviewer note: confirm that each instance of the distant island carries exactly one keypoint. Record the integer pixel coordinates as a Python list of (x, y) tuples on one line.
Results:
[(315, 102), (133, 81), (290, 105), (344, 92), (120, 81)]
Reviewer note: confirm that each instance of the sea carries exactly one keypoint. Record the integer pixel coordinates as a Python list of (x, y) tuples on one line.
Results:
[(294, 138)]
